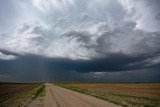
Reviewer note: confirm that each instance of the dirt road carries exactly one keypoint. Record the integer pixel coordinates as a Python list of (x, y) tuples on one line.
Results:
[(60, 97)]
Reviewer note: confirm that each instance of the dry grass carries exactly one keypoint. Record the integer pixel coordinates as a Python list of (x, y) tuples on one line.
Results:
[(125, 94), (17, 94), (143, 90)]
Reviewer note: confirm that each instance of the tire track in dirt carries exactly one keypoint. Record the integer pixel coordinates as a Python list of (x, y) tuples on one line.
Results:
[(58, 105)]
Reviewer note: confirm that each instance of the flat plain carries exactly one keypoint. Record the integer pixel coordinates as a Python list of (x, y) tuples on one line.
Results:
[(124, 94), (18, 94), (107, 94)]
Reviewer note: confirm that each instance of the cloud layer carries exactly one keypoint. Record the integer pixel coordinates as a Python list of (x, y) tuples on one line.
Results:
[(82, 36)]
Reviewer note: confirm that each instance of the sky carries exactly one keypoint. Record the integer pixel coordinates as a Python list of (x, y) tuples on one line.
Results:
[(80, 40)]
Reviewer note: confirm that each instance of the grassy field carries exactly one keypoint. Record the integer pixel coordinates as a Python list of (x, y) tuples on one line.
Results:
[(12, 94), (125, 94)]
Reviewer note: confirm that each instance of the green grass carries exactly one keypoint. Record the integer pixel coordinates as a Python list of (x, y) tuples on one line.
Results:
[(119, 99), (39, 92)]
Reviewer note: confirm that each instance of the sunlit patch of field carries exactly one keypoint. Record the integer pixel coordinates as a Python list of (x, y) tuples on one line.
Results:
[(125, 94)]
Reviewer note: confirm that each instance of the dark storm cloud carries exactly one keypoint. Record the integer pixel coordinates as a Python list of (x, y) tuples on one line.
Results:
[(142, 75), (36, 68), (80, 40), (158, 16), (114, 62)]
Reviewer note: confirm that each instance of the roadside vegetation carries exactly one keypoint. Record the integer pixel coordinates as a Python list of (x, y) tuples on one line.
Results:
[(20, 94), (39, 92), (124, 94)]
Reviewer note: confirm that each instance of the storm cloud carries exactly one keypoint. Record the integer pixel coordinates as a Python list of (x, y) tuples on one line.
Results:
[(79, 40), (38, 68)]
